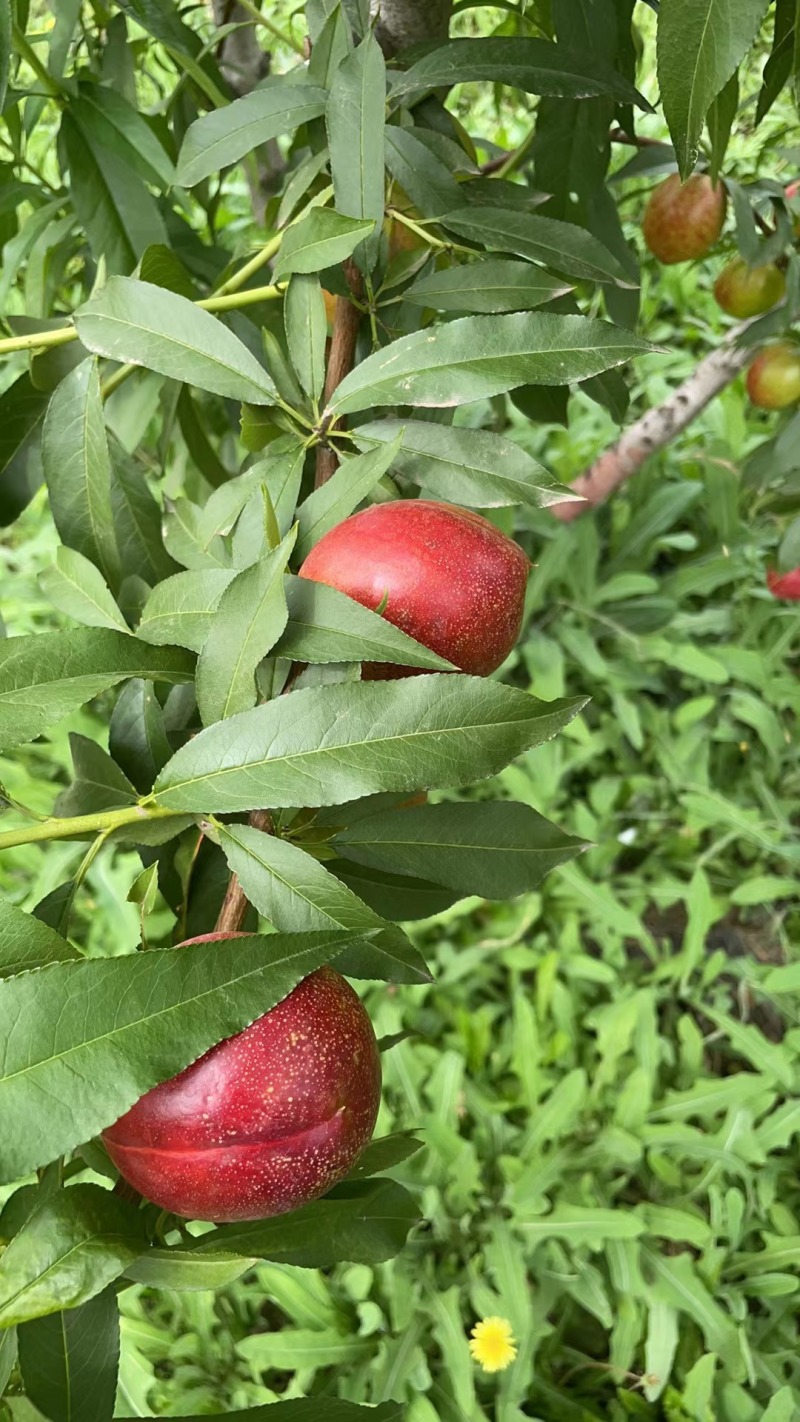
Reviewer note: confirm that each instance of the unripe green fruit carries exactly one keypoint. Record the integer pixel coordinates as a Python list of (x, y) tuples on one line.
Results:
[(682, 221), (773, 380), (745, 291)]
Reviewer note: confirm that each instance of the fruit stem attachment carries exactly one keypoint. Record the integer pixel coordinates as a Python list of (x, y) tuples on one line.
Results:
[(235, 903), (83, 826)]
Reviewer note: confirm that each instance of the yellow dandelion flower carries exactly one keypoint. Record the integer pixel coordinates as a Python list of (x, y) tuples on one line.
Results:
[(492, 1344)]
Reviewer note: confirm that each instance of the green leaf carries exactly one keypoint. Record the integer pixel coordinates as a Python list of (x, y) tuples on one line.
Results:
[(227, 134), (327, 626), (99, 783), (720, 119), (69, 1071), (580, 1225), (361, 1223), (491, 285), (137, 524), (280, 471), (393, 896), (679, 1284), (248, 621), (74, 1244), (496, 850), (306, 1409), (76, 587), (113, 205), (26, 942), (295, 892), (142, 324), (700, 45), (306, 328), (353, 482), (320, 240), (324, 746), (425, 178), (5, 49), (121, 129), (69, 1362), (21, 412), (201, 450), (478, 356), (43, 678), (179, 611), (464, 466), (536, 66), (182, 1270), (561, 245), (330, 47), (77, 468), (355, 118), (384, 1153), (770, 1058), (137, 736), (303, 1348), (185, 540)]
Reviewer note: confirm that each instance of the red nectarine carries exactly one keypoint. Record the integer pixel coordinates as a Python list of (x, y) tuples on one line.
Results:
[(682, 221), (265, 1121), (447, 577)]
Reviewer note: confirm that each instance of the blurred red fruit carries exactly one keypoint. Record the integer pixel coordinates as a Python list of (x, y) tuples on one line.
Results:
[(682, 221), (785, 585)]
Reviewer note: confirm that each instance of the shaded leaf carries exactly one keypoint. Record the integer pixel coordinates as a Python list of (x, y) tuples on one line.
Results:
[(43, 678), (362, 1223), (561, 245), (497, 850), (536, 66), (22, 410), (69, 1363), (486, 286)]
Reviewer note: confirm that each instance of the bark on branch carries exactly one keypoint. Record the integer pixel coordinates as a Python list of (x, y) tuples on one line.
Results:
[(342, 352), (403, 23), (657, 427)]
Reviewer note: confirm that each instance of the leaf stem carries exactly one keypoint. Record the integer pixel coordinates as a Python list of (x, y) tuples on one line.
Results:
[(104, 823), (26, 52), (44, 340), (273, 29), (264, 255)]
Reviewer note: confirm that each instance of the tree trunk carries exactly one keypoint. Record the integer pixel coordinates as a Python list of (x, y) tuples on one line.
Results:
[(244, 64), (403, 23)]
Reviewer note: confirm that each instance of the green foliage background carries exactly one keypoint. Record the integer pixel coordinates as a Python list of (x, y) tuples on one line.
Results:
[(623, 1044)]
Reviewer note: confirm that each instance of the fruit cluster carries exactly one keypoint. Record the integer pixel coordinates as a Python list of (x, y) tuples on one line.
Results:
[(273, 1117), (682, 222)]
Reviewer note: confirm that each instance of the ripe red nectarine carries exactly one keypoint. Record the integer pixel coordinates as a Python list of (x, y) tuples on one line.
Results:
[(264, 1121), (773, 379), (447, 577), (682, 221)]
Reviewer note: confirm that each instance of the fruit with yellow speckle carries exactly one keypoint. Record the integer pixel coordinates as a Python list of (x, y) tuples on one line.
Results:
[(266, 1120)]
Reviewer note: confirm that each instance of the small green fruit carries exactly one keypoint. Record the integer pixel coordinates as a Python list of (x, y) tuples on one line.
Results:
[(745, 291), (773, 380)]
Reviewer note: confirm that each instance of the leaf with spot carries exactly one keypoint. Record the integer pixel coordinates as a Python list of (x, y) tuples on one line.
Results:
[(479, 356)]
